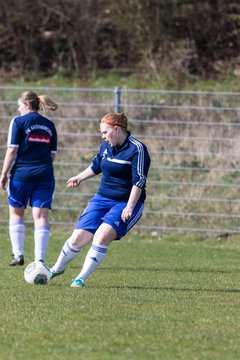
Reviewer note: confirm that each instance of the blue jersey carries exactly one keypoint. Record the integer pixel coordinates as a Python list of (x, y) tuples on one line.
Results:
[(121, 168), (36, 139)]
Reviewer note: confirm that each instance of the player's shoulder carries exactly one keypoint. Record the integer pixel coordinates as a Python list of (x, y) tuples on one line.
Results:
[(17, 120), (135, 142), (21, 118), (41, 116), (45, 120)]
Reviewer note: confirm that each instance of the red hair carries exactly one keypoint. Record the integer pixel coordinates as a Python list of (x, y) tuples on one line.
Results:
[(115, 120)]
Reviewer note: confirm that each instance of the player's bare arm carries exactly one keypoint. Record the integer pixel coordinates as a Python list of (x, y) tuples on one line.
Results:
[(84, 175), (8, 161)]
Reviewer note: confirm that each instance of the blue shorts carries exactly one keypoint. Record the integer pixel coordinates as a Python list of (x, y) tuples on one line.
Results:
[(37, 194), (104, 210)]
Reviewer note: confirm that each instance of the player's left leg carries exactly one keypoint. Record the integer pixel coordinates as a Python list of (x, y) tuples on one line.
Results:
[(96, 254), (18, 194), (17, 234)]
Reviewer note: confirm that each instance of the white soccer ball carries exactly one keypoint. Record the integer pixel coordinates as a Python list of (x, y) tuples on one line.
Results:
[(37, 273)]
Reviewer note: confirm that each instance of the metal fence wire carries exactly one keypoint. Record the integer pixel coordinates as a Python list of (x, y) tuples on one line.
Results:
[(193, 140)]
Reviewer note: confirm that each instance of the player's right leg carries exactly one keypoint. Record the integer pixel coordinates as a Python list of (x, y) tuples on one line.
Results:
[(41, 201)]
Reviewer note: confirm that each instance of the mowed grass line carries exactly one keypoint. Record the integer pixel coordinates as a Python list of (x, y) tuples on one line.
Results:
[(152, 298)]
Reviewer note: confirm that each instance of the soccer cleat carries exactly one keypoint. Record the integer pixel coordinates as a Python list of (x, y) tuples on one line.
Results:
[(54, 273), (17, 261), (78, 283)]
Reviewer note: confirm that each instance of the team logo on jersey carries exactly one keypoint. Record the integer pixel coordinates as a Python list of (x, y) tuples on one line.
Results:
[(43, 139)]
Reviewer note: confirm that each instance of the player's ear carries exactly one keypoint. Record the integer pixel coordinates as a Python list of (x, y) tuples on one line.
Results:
[(28, 104)]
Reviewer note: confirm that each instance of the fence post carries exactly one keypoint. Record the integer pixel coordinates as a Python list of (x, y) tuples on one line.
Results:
[(117, 99)]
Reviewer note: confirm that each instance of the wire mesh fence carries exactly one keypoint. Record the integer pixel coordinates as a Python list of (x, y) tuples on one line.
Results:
[(193, 139)]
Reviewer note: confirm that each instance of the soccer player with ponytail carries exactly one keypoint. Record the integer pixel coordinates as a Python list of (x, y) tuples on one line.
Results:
[(118, 204), (31, 147)]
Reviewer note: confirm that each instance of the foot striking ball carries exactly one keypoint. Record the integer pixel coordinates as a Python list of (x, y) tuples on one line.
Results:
[(37, 273)]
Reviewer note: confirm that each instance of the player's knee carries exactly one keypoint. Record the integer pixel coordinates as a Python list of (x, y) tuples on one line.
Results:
[(80, 238), (74, 241)]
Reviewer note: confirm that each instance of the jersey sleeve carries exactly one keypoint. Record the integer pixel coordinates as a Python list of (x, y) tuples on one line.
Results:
[(97, 160), (14, 134), (96, 164), (140, 166)]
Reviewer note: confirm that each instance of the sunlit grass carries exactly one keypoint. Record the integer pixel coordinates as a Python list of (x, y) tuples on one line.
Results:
[(153, 298)]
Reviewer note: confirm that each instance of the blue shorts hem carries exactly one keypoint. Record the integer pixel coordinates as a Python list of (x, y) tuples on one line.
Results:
[(37, 195)]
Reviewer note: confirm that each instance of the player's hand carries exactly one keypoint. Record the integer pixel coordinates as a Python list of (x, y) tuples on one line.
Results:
[(3, 182), (73, 182), (126, 213)]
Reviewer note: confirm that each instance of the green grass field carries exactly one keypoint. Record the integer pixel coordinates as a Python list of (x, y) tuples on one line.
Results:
[(170, 297)]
